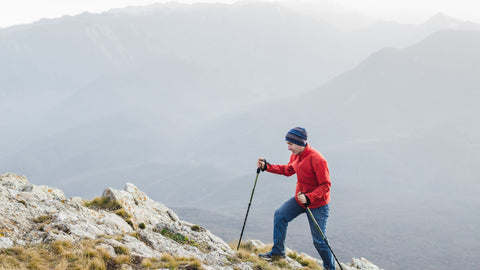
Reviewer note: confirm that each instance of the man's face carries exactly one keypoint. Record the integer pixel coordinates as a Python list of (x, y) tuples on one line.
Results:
[(296, 149)]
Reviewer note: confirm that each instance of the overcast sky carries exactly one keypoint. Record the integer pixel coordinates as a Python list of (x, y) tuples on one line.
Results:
[(409, 11)]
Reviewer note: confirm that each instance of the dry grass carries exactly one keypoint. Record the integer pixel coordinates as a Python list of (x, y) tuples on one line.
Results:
[(249, 253), (110, 205), (103, 203), (169, 261), (84, 255), (307, 263), (43, 219), (57, 255), (90, 255)]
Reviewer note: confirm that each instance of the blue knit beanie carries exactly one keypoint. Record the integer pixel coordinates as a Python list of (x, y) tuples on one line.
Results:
[(297, 136)]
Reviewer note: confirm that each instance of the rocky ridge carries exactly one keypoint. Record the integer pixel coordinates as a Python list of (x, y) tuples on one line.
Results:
[(128, 218)]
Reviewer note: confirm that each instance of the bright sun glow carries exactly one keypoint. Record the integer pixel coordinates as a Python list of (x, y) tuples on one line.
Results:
[(407, 11)]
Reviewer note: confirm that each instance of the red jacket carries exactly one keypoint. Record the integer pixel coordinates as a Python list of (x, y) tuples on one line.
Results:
[(313, 178)]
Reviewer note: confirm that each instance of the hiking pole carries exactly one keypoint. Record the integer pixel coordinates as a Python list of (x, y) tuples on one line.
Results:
[(248, 209), (323, 236)]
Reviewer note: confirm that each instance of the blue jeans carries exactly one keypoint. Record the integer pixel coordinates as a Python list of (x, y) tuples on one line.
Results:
[(289, 211)]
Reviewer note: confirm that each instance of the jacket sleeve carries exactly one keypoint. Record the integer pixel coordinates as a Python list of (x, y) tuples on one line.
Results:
[(286, 170), (322, 175)]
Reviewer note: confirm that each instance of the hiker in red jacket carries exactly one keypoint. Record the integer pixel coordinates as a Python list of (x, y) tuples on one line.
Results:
[(313, 190)]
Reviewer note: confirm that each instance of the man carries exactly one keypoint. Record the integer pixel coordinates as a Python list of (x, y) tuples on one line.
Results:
[(313, 190)]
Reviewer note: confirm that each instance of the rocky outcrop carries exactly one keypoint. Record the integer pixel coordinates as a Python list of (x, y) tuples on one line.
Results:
[(126, 218)]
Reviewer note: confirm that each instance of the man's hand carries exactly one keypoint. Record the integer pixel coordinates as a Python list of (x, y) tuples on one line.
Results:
[(261, 164), (302, 199)]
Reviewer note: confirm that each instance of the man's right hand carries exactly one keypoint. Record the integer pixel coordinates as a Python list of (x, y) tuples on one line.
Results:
[(261, 164)]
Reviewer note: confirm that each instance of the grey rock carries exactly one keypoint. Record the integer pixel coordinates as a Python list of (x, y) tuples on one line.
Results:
[(6, 242), (39, 214), (360, 263)]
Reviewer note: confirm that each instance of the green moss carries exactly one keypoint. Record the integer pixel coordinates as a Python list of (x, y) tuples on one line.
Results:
[(177, 237)]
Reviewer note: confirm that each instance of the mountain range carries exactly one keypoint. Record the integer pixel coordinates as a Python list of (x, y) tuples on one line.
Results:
[(182, 100)]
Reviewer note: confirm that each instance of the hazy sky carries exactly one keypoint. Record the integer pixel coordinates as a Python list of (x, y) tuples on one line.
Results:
[(411, 11)]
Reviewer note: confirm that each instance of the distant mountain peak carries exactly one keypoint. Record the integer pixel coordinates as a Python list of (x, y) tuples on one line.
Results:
[(442, 20)]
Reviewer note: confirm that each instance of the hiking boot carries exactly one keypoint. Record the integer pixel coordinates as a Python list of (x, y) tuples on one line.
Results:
[(269, 256)]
